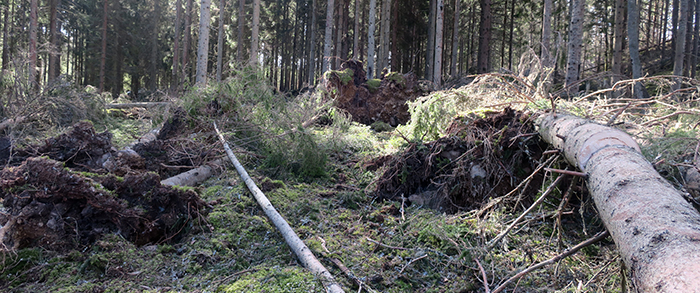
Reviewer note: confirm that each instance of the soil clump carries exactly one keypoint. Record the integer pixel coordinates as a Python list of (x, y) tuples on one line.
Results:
[(477, 160)]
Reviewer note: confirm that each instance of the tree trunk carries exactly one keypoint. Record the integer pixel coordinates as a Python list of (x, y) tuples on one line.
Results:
[(255, 33), (654, 228), (5, 37), (239, 44), (439, 19), (679, 38), (176, 48), (33, 27), (370, 38), (483, 62), (103, 57), (152, 62), (220, 43), (188, 40), (328, 38), (674, 24), (696, 40), (355, 33), (633, 35), (689, 38), (545, 54), (575, 41), (455, 39), (54, 48), (203, 44), (430, 49), (618, 40), (383, 56), (312, 45)]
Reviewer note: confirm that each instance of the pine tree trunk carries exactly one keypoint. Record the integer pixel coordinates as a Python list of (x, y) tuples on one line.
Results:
[(655, 229), (483, 62), (355, 33), (54, 48), (618, 40), (328, 38), (689, 38), (176, 48), (255, 33), (674, 24), (383, 56), (439, 19), (312, 45), (152, 67), (103, 57), (430, 49), (696, 41), (633, 36), (203, 43), (455, 39), (187, 42), (5, 37), (220, 43), (239, 44), (370, 38), (575, 42), (33, 27), (679, 38)]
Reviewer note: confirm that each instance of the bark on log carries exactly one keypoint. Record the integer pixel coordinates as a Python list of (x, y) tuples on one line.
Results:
[(194, 176), (303, 253), (656, 231)]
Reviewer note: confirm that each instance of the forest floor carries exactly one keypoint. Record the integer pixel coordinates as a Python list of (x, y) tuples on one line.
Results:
[(410, 208)]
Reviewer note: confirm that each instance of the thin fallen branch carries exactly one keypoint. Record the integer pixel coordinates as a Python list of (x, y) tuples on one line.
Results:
[(412, 261), (567, 172), (344, 269), (295, 243), (500, 236), (136, 105), (384, 245), (483, 274), (598, 237)]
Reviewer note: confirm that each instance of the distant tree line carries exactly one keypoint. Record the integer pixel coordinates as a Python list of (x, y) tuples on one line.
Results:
[(120, 45)]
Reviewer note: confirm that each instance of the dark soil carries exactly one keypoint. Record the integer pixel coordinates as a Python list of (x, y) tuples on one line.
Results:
[(478, 160), (386, 103), (55, 208), (50, 204)]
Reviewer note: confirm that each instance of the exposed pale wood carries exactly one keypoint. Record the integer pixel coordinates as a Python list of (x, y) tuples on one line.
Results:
[(136, 105), (656, 230), (305, 256), (194, 176)]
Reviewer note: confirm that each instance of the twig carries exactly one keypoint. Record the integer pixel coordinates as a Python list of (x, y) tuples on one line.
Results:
[(667, 116), (483, 274), (598, 237), (500, 236), (343, 268), (412, 261), (384, 245), (567, 172), (612, 119)]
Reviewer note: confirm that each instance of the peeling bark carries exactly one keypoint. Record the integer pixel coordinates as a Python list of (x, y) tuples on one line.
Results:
[(656, 231)]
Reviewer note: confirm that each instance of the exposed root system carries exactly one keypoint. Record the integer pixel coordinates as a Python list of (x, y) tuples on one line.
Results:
[(477, 160)]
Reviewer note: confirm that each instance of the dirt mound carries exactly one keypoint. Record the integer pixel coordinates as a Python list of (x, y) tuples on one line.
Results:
[(58, 209), (369, 101), (82, 145), (478, 160)]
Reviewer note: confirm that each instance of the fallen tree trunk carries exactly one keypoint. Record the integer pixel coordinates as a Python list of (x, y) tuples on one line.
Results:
[(656, 231), (300, 249), (194, 176)]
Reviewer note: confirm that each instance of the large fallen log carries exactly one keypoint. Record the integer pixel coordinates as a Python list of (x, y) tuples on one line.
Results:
[(656, 231), (300, 249), (194, 176)]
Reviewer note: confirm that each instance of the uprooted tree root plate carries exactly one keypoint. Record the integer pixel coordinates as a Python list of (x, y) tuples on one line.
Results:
[(58, 209), (478, 159)]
